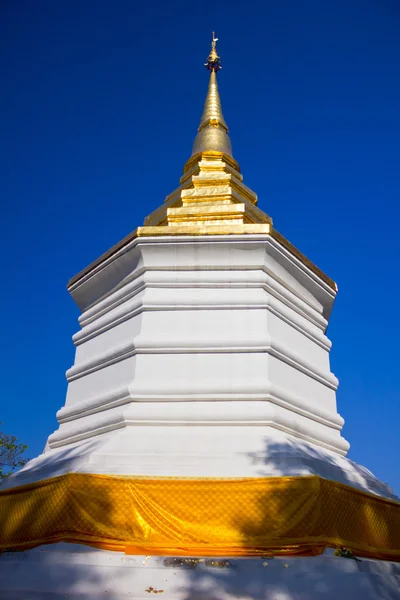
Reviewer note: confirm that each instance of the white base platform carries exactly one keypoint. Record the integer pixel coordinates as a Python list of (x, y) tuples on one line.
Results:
[(199, 451), (79, 572), (192, 333)]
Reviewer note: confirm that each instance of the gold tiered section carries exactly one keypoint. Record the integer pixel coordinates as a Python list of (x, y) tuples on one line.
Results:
[(212, 199)]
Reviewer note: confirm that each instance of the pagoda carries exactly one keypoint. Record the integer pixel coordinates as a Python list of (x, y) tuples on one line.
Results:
[(199, 452)]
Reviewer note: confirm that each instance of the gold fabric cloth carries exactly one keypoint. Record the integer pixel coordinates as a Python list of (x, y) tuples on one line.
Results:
[(200, 517)]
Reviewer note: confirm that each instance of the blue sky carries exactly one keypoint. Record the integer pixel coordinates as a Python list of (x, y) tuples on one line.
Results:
[(100, 105)]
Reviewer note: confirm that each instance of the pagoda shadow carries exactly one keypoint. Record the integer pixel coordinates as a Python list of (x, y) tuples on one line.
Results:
[(269, 577)]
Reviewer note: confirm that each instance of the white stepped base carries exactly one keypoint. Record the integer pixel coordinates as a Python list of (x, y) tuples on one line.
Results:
[(199, 452), (79, 572), (224, 331)]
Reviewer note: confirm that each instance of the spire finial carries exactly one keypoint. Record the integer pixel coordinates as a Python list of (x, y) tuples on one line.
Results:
[(213, 62)]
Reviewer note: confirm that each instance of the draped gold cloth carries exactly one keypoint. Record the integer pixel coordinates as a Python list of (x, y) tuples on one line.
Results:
[(200, 517)]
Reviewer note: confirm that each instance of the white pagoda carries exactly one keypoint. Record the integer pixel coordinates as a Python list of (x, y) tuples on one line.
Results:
[(199, 452)]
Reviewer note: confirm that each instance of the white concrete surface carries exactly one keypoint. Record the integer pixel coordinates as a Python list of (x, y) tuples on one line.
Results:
[(79, 573), (202, 452)]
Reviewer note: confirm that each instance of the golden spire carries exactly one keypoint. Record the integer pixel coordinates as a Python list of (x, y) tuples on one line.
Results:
[(212, 198), (213, 131)]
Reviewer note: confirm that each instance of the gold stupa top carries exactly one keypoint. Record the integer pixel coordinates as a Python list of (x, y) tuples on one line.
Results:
[(212, 198), (213, 131)]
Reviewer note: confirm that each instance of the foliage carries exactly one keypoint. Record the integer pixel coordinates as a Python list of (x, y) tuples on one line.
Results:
[(345, 553), (10, 454)]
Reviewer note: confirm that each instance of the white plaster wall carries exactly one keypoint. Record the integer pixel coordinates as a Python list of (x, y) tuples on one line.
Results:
[(194, 320), (80, 573), (152, 444)]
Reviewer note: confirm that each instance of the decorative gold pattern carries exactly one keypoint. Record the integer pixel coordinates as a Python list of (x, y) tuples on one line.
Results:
[(201, 517), (214, 123)]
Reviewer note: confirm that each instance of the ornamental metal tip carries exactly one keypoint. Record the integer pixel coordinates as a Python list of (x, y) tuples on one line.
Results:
[(213, 61)]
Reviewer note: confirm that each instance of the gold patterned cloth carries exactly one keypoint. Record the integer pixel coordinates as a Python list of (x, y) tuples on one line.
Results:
[(200, 517)]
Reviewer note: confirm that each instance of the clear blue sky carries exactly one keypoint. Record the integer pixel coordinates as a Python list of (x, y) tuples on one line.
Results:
[(99, 108)]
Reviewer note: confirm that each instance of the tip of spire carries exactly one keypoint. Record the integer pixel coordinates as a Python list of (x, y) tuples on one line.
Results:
[(213, 61)]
